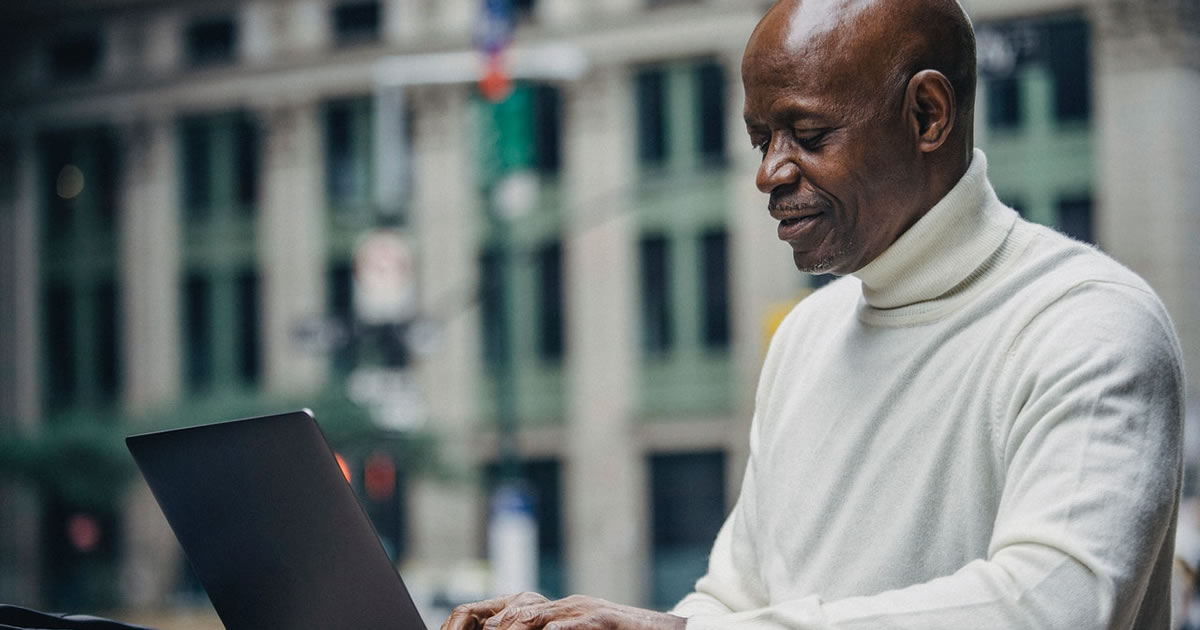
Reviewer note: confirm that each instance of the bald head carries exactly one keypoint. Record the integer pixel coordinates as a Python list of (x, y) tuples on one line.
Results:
[(876, 46)]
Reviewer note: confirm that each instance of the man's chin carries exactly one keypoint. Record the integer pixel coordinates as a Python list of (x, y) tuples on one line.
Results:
[(815, 265)]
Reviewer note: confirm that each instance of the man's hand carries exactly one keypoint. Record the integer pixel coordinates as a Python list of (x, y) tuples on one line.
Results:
[(530, 611)]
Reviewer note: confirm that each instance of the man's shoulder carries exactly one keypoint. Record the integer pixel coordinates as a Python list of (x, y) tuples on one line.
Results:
[(1057, 264)]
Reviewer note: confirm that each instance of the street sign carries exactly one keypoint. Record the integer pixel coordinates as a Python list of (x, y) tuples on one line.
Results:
[(384, 287)]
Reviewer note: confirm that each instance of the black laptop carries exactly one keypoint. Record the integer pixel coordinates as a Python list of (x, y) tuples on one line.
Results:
[(272, 530)]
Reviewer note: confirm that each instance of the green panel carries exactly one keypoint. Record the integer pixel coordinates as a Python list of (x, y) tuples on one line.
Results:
[(79, 258), (1041, 160), (219, 243)]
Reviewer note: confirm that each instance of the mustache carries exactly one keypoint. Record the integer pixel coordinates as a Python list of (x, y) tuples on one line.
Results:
[(780, 203)]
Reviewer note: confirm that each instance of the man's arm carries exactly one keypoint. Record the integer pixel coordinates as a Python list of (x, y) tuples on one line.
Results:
[(1086, 518)]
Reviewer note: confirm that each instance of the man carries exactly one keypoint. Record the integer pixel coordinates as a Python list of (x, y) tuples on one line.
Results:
[(979, 425)]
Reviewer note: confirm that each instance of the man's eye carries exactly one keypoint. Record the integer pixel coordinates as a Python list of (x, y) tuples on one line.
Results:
[(761, 144), (811, 140)]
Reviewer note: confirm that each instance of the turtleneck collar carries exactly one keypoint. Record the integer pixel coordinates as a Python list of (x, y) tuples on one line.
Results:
[(943, 248)]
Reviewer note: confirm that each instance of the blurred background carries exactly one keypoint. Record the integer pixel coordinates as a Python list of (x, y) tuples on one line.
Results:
[(485, 242)]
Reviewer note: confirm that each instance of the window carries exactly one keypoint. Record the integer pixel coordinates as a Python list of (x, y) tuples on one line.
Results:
[(197, 308), (348, 153), (247, 342), (1068, 56), (196, 168), (547, 135), (60, 194), (246, 168), (714, 278), (524, 9), (710, 119), (1003, 102), (59, 318), (341, 309), (219, 165), (550, 302), (1075, 218), (108, 341), (105, 168), (492, 288), (656, 294), (356, 22), (76, 57), (210, 41), (651, 116), (687, 506)]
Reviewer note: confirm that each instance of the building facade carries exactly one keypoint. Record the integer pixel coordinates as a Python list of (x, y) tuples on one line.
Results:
[(184, 185)]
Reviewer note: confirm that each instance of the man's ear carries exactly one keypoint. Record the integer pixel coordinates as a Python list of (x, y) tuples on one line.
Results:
[(931, 106)]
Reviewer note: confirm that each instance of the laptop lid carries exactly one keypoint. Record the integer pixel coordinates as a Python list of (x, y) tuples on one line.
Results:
[(272, 530)]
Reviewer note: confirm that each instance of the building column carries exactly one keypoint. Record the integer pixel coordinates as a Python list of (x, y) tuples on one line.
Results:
[(150, 262), (1148, 93), (292, 251), (19, 334), (445, 218), (605, 481)]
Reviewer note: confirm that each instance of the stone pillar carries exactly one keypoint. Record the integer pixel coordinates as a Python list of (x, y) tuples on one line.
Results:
[(445, 217), (403, 20), (150, 262), (456, 18), (605, 480), (19, 395), (292, 245), (1148, 96)]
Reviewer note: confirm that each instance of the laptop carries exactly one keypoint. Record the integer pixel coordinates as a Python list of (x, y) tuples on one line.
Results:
[(272, 530)]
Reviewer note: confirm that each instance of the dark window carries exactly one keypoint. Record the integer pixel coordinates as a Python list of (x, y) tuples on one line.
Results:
[(106, 167), (547, 122), (356, 22), (523, 9), (77, 57), (248, 340), (687, 504), (1068, 55), (59, 318), (1075, 218), (492, 289), (197, 312), (246, 137), (651, 115), (108, 341), (211, 41), (60, 204), (341, 308), (710, 84), (345, 170), (714, 262), (550, 302), (197, 168), (1003, 102), (656, 294)]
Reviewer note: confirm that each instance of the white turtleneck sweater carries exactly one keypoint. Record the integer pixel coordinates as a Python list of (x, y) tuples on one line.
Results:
[(979, 429)]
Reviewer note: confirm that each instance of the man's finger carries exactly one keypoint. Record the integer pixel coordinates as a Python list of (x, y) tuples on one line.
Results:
[(472, 616)]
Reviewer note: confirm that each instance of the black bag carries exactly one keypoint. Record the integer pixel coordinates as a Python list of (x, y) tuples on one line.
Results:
[(17, 618)]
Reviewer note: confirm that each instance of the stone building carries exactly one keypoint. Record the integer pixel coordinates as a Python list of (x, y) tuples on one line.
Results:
[(182, 185)]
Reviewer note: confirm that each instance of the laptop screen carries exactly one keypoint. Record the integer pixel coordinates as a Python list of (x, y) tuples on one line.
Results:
[(272, 530)]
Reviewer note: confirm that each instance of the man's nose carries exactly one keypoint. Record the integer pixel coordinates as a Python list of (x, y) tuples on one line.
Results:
[(777, 169)]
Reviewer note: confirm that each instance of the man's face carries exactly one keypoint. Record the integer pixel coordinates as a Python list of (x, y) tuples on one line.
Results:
[(838, 159)]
